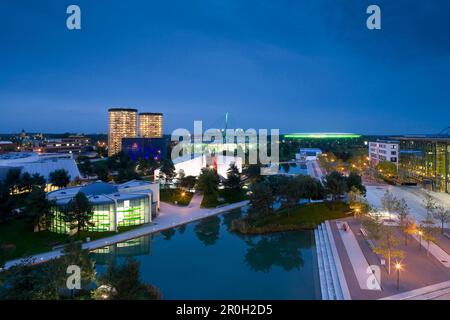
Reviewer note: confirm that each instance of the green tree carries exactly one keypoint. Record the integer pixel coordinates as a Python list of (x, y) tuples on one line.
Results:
[(126, 282), (59, 178), (85, 166), (102, 172), (127, 173), (355, 180), (233, 180), (26, 182), (39, 209), (167, 171), (402, 211), (261, 200), (253, 173), (387, 169), (389, 202), (335, 184), (357, 202), (188, 182), (12, 180), (38, 181), (79, 213), (74, 254), (387, 246), (291, 192), (208, 182), (26, 281), (6, 202)]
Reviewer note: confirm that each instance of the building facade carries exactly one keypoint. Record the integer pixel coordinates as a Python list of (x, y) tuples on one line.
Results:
[(38, 163), (145, 148), (425, 161), (72, 144), (122, 123), (150, 125), (384, 150), (114, 205)]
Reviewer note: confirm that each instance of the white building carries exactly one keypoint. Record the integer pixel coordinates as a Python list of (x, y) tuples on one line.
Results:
[(309, 154), (383, 150), (192, 166), (42, 164)]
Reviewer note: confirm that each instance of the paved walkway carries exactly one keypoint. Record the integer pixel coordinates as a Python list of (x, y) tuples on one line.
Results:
[(435, 251), (170, 216), (439, 291), (314, 169), (414, 196), (357, 259)]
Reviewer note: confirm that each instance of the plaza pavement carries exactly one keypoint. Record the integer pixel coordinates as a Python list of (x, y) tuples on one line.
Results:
[(169, 216), (414, 197), (419, 269)]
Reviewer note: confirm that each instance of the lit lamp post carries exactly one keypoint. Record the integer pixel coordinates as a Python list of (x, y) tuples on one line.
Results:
[(398, 267), (420, 240)]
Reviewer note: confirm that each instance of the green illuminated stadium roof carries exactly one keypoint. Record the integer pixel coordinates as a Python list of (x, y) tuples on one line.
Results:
[(322, 135)]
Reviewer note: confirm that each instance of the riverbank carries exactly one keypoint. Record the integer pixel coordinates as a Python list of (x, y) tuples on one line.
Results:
[(302, 217), (170, 216)]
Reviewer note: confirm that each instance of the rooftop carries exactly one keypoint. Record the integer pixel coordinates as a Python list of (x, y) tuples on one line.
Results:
[(322, 135)]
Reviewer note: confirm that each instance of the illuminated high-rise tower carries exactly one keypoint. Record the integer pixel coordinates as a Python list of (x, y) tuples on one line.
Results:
[(150, 125), (122, 124)]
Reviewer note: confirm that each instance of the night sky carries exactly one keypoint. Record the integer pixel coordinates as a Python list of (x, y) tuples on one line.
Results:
[(296, 65)]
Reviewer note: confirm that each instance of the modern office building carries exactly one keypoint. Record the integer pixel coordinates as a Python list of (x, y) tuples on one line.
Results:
[(384, 150), (145, 148), (115, 205), (150, 125), (425, 160), (73, 144), (122, 124), (42, 163)]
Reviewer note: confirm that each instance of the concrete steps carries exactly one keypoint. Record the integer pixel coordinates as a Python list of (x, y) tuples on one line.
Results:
[(332, 281)]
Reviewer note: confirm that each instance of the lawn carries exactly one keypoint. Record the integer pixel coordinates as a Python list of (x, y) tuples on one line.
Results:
[(226, 196), (20, 241), (18, 235), (306, 216), (176, 196)]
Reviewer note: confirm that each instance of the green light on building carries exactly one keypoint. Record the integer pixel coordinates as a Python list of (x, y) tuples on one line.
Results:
[(322, 136)]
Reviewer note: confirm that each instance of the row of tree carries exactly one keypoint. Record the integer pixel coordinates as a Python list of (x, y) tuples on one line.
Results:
[(387, 244)]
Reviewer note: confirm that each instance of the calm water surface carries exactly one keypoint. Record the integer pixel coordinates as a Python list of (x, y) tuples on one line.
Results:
[(203, 260)]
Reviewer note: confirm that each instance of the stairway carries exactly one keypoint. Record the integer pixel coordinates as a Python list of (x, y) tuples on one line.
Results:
[(332, 281)]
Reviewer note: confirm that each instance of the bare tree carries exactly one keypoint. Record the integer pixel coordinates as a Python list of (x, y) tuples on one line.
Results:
[(442, 215)]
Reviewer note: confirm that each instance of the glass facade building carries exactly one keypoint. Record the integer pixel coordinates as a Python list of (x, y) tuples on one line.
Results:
[(114, 206), (425, 161), (145, 148)]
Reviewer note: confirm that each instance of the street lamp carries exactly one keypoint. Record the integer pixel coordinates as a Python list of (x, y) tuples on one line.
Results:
[(398, 267), (420, 239)]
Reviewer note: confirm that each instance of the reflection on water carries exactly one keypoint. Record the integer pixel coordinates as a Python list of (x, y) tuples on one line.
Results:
[(168, 234), (204, 260), (130, 248), (293, 168), (207, 230), (279, 249)]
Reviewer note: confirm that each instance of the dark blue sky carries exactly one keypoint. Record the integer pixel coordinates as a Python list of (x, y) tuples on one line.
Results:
[(297, 65)]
